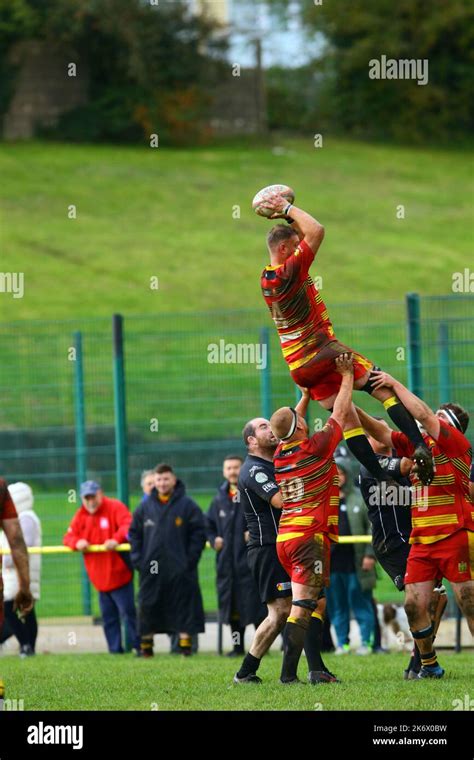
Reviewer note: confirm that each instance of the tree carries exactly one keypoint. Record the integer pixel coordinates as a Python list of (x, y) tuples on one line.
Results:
[(357, 31), (149, 65)]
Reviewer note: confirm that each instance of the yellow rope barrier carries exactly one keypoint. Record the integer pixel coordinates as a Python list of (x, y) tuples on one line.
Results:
[(126, 547)]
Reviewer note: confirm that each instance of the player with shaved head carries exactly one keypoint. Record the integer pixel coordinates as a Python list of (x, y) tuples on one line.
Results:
[(307, 337), (307, 476)]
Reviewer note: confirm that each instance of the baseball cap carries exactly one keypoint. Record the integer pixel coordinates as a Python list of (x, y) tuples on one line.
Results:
[(89, 488)]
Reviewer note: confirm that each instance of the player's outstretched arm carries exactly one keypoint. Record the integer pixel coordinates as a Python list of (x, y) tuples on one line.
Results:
[(375, 428), (305, 225), (415, 405), (342, 404), (309, 227), (302, 405)]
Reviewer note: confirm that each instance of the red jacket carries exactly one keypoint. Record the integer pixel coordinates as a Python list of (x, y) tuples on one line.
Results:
[(107, 570)]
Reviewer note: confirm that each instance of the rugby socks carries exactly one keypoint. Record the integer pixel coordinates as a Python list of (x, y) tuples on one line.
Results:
[(294, 635), (429, 659), (358, 444), (185, 644), (424, 641), (415, 660), (313, 643), (249, 666), (404, 421), (146, 646)]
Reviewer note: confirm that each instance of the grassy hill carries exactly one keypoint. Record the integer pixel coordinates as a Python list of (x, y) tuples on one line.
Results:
[(145, 212)]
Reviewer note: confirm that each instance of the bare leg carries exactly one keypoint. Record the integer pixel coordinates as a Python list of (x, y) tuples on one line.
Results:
[(464, 593), (418, 599), (270, 627)]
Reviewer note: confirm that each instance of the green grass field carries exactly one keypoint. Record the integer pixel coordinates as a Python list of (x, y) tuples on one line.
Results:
[(171, 214), (204, 682)]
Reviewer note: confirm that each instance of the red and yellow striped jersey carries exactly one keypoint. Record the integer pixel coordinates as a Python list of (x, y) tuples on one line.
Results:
[(307, 476), (445, 506), (297, 308)]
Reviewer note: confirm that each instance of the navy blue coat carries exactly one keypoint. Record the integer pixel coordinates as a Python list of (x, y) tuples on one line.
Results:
[(236, 589), (166, 544)]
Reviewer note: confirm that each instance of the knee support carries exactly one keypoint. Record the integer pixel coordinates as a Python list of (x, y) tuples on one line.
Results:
[(423, 633), (308, 604)]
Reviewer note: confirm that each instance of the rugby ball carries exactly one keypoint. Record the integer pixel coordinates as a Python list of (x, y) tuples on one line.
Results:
[(263, 194)]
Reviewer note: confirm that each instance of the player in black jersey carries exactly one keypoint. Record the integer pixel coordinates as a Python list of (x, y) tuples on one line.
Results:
[(261, 501), (389, 510)]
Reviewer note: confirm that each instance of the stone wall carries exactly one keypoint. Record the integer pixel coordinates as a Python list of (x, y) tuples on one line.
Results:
[(44, 91), (43, 88)]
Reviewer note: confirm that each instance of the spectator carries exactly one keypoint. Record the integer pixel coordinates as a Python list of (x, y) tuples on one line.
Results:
[(10, 524), (352, 568), (147, 481), (105, 521), (26, 629), (167, 536), (238, 598)]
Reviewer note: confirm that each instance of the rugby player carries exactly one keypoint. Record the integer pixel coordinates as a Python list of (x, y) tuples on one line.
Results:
[(261, 501), (307, 336), (442, 536), (389, 513), (307, 476)]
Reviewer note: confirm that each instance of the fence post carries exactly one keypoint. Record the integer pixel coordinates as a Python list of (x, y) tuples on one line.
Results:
[(120, 418), (81, 452), (414, 343), (443, 356), (265, 380)]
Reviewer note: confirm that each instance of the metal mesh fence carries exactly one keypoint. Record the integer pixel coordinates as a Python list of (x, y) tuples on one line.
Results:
[(189, 392)]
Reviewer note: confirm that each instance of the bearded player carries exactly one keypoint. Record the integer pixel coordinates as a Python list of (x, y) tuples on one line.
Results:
[(307, 337)]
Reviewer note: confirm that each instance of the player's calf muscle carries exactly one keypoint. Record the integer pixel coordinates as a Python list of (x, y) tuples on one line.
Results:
[(466, 599)]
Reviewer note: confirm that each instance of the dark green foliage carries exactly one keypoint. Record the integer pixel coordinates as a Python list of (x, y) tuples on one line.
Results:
[(357, 31), (149, 66)]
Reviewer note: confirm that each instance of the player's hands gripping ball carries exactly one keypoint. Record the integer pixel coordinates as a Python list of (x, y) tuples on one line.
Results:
[(271, 201)]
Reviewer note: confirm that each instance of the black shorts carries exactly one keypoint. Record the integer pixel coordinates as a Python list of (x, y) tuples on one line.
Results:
[(272, 580), (394, 562)]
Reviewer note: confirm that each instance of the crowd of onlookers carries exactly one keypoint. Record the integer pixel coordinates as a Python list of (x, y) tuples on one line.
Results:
[(167, 533)]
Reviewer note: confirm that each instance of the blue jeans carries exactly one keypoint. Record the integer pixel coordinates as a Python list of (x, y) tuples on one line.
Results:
[(114, 605), (343, 595)]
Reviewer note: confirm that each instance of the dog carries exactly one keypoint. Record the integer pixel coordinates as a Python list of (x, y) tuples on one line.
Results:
[(394, 628)]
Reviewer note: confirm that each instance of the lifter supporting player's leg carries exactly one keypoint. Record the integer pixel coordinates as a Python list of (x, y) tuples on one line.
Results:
[(402, 418), (357, 440)]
